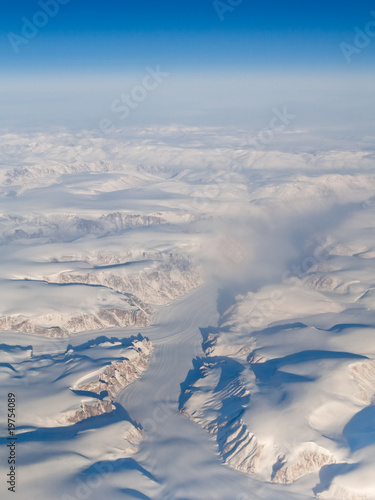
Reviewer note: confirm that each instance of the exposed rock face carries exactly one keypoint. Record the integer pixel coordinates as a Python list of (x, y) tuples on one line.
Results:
[(157, 284), (112, 379), (120, 374), (343, 493), (132, 292), (118, 290), (24, 175), (22, 324), (309, 460), (216, 346), (89, 409), (57, 227), (133, 437), (218, 413), (364, 375), (215, 401), (324, 282), (58, 325), (240, 448), (101, 259)]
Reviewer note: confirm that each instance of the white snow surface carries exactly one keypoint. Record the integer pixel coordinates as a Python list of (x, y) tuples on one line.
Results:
[(183, 318)]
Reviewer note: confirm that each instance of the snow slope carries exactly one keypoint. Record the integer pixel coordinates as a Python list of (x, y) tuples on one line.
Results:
[(183, 317)]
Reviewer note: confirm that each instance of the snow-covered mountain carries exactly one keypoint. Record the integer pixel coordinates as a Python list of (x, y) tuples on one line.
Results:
[(287, 382), (185, 317)]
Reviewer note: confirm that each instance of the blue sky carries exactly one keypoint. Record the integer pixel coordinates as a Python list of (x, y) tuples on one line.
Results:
[(120, 35), (233, 68)]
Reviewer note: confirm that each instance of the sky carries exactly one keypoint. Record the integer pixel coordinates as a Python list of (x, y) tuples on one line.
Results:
[(89, 51), (197, 34)]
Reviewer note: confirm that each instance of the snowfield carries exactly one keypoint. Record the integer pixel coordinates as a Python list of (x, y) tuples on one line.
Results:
[(185, 318)]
